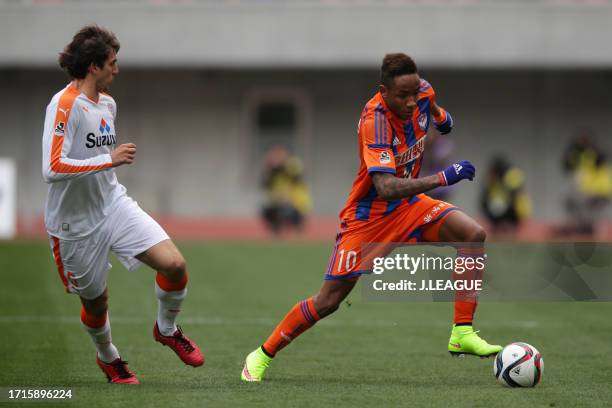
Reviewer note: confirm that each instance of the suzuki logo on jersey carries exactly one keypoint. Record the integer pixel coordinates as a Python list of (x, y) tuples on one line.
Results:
[(104, 127), (423, 120), (104, 140), (413, 153)]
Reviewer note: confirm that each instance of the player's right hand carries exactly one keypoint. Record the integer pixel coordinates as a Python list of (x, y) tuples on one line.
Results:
[(457, 172), (124, 154)]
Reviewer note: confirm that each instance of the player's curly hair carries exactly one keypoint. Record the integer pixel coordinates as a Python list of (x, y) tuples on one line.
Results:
[(90, 45), (394, 65)]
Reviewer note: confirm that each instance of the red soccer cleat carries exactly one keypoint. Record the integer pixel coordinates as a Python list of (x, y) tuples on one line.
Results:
[(187, 350), (117, 371)]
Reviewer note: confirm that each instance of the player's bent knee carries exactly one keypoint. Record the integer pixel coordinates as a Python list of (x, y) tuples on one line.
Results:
[(97, 306), (472, 232), (477, 234), (175, 269)]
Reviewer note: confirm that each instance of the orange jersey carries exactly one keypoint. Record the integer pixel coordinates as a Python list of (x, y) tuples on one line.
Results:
[(387, 144)]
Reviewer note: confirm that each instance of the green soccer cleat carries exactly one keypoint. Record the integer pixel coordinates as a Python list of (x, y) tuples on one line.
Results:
[(255, 366), (464, 340)]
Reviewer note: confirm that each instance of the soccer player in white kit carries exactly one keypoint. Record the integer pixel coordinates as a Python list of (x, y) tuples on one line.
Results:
[(88, 213)]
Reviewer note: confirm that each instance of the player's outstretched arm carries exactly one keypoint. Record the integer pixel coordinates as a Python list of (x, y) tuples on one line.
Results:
[(390, 187)]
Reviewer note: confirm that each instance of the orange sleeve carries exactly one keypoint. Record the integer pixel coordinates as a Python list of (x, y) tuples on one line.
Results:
[(375, 137), (57, 142)]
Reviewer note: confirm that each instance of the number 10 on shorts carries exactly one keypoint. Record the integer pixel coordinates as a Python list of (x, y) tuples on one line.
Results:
[(349, 262)]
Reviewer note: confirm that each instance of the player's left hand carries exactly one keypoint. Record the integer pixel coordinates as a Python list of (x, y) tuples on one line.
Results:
[(457, 172)]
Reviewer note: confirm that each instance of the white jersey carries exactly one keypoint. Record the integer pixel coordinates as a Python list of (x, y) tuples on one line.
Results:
[(78, 137)]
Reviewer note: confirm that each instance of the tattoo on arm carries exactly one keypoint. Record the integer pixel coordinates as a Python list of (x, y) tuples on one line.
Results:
[(390, 187)]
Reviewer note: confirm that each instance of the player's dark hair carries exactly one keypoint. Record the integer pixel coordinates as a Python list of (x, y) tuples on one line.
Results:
[(91, 45), (394, 65)]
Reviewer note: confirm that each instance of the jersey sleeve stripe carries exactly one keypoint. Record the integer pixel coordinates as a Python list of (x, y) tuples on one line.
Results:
[(385, 133), (64, 109), (424, 85), (376, 126), (381, 170)]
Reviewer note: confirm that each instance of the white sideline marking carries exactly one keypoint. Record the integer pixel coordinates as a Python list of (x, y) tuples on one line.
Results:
[(259, 321)]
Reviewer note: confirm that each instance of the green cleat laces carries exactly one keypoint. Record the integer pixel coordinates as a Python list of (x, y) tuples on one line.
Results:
[(255, 366), (464, 340)]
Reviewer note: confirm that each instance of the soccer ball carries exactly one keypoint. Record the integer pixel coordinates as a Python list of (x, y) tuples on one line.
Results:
[(518, 365)]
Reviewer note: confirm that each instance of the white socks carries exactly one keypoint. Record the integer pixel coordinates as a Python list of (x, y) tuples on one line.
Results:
[(101, 337), (169, 305)]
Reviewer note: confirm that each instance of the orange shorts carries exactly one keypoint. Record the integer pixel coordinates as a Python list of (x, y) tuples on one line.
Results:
[(419, 221)]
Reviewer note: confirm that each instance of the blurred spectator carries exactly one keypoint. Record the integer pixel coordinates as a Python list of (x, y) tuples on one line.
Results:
[(591, 182), (580, 150), (287, 198), (504, 200)]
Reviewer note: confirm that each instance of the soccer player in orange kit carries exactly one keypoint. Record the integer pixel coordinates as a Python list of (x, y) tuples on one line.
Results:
[(387, 204)]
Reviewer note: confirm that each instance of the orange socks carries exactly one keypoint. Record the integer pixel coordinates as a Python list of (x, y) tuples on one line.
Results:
[(170, 296), (300, 318), (170, 286), (472, 266), (98, 328)]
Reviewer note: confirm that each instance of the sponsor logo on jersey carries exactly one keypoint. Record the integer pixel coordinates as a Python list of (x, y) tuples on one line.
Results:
[(423, 120), (85, 109), (104, 127), (59, 129), (104, 139), (396, 141), (385, 157), (64, 111), (413, 152), (97, 141)]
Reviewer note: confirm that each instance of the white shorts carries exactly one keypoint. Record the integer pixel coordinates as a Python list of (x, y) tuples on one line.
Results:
[(83, 265)]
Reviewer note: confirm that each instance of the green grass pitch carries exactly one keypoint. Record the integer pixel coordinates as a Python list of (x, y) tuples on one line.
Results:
[(367, 354)]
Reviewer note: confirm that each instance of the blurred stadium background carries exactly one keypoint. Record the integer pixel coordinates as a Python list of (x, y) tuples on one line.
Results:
[(207, 87)]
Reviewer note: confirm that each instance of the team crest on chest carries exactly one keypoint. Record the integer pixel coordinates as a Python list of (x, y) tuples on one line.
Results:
[(423, 119)]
